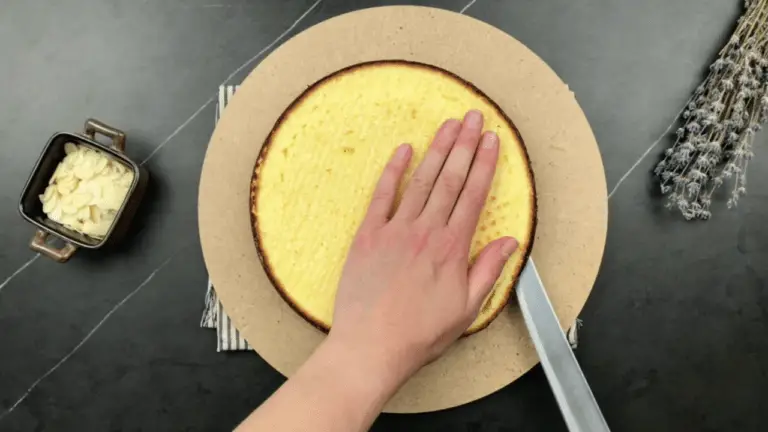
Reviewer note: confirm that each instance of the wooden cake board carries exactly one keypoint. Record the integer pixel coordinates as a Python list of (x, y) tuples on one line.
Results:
[(570, 181)]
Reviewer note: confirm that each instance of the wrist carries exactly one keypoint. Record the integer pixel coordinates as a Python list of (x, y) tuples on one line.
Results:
[(366, 367)]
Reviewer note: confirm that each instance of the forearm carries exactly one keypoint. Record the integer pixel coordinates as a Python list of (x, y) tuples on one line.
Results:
[(337, 389)]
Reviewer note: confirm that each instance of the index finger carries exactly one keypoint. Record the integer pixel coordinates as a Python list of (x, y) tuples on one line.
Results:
[(472, 199), (454, 174)]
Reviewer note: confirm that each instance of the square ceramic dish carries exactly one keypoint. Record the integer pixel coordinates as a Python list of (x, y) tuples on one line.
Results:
[(31, 208)]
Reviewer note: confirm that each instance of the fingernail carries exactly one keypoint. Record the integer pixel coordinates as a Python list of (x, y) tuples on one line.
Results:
[(402, 151), (490, 139), (474, 118), (508, 247)]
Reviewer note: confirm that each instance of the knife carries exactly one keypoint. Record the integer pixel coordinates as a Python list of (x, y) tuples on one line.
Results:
[(572, 392)]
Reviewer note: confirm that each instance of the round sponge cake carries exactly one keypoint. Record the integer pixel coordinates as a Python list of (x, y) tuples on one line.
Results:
[(317, 170)]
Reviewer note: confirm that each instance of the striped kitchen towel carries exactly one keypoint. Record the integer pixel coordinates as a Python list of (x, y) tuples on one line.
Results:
[(228, 338)]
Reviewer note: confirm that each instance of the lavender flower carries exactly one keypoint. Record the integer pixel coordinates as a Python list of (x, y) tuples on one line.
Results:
[(714, 144)]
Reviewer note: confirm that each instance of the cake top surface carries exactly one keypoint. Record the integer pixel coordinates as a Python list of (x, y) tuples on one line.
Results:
[(317, 170)]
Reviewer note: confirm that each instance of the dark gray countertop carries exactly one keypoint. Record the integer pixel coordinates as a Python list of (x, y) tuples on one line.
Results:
[(674, 334)]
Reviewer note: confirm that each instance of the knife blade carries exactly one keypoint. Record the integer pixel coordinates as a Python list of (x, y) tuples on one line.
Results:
[(572, 392)]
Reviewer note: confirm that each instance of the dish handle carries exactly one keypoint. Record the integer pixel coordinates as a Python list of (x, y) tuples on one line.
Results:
[(93, 126), (39, 244)]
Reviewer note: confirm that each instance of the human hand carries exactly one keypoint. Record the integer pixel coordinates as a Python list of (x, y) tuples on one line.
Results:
[(407, 291)]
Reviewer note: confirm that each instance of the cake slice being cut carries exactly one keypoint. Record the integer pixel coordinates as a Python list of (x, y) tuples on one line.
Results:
[(317, 170)]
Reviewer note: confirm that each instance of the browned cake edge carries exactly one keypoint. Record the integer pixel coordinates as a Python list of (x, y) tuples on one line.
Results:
[(265, 150)]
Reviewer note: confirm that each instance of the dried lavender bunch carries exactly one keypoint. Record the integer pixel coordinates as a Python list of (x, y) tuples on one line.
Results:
[(714, 144)]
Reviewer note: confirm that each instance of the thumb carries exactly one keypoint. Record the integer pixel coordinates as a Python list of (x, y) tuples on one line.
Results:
[(487, 268)]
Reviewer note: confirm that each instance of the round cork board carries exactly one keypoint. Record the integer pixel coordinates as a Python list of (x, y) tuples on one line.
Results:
[(572, 204)]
